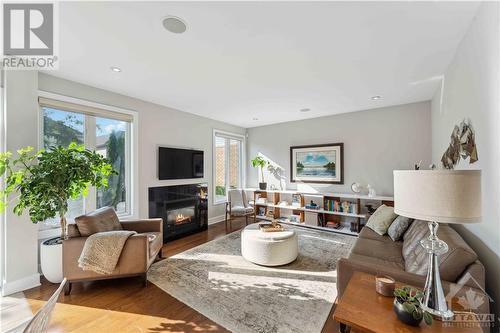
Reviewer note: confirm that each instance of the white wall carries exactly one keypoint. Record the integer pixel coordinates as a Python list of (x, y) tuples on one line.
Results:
[(19, 234), (471, 90), (375, 143), (158, 125)]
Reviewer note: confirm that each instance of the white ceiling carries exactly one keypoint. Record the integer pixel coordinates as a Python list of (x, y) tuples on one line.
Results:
[(267, 60)]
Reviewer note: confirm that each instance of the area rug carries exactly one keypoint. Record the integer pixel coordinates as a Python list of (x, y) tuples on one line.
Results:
[(243, 297)]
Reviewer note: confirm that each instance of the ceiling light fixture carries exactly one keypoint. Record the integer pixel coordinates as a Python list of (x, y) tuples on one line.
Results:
[(305, 110), (174, 24), (115, 69), (376, 97)]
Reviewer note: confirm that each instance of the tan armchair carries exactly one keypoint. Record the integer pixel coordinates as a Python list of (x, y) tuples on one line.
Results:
[(137, 255)]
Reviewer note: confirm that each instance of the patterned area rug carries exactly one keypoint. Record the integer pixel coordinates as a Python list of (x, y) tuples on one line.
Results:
[(216, 281)]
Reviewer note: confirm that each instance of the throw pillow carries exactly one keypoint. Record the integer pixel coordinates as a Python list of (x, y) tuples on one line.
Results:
[(101, 220), (398, 227), (381, 219)]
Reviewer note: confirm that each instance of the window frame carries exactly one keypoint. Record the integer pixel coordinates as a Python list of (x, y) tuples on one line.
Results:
[(131, 148), (227, 135)]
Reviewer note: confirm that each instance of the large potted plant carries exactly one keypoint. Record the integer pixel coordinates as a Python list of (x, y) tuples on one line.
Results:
[(259, 162), (44, 181)]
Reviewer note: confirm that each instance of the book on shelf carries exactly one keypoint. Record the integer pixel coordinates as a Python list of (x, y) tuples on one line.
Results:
[(341, 207), (333, 225)]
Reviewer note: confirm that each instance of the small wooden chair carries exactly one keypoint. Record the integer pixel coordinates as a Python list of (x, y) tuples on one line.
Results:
[(237, 206)]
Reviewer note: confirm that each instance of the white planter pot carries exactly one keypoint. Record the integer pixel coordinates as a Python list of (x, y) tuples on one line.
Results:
[(51, 261)]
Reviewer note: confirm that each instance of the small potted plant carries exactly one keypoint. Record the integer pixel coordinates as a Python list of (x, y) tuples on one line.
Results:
[(259, 162), (408, 308), (44, 181)]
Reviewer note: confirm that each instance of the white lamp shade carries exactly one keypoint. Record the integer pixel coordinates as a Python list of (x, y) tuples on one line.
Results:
[(447, 196)]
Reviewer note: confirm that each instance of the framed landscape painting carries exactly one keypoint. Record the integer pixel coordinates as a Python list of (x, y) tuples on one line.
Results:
[(317, 163)]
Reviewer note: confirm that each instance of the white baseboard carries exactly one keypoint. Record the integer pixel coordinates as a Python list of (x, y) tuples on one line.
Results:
[(25, 283), (216, 219)]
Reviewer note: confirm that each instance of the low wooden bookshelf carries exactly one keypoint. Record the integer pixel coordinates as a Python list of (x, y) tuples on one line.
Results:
[(339, 212)]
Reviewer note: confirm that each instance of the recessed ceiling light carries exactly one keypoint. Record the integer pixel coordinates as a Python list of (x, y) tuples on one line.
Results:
[(255, 118), (116, 69), (376, 97), (174, 24), (305, 110)]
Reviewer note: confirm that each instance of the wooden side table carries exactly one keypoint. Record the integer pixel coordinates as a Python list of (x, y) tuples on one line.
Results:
[(364, 310)]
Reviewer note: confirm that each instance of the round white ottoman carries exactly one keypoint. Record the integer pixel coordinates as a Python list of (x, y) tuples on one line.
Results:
[(269, 248)]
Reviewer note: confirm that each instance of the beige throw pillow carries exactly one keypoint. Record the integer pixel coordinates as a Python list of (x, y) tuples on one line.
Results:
[(381, 219), (101, 220)]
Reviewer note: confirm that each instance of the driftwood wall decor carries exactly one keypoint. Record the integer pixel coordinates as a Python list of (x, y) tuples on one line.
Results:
[(462, 145)]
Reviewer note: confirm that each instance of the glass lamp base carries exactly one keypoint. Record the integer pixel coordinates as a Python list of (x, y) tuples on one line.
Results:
[(448, 314), (434, 300)]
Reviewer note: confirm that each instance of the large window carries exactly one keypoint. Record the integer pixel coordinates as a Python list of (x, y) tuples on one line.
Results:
[(228, 163), (107, 133)]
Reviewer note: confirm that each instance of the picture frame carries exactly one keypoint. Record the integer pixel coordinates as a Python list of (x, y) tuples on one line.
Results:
[(296, 200), (322, 163)]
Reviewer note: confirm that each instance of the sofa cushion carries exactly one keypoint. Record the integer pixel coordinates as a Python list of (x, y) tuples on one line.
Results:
[(411, 239), (381, 219), (398, 227), (377, 263), (370, 234), (103, 219), (390, 251), (451, 264)]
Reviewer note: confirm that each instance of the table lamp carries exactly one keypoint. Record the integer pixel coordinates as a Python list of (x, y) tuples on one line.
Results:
[(437, 196)]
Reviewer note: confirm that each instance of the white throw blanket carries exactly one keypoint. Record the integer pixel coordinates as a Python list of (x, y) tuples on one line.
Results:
[(102, 251)]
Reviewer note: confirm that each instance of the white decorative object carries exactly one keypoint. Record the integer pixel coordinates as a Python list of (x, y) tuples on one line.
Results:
[(269, 248), (446, 196), (371, 191), (51, 262), (356, 187)]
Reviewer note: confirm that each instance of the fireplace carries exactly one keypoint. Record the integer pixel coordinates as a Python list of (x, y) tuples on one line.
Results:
[(183, 208)]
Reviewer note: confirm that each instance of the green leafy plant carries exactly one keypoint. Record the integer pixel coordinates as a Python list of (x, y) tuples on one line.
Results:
[(410, 300), (47, 179), (259, 162)]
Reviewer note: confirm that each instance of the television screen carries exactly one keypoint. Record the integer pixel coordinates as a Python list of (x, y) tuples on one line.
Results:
[(175, 163)]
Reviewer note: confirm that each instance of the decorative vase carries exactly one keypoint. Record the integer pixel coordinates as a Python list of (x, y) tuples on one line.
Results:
[(262, 186), (404, 316), (51, 259)]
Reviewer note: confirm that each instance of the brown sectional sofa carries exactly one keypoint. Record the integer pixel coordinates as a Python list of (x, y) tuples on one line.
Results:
[(406, 260)]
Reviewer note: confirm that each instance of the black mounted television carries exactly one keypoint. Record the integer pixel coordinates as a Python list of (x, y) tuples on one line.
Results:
[(175, 163)]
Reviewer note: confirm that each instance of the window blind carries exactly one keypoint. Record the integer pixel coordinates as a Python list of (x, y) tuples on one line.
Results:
[(228, 136), (88, 110)]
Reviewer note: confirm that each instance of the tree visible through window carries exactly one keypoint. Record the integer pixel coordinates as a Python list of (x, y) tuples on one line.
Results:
[(110, 142), (60, 128)]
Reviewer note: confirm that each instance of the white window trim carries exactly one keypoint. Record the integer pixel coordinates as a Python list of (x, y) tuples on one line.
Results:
[(132, 160), (229, 135)]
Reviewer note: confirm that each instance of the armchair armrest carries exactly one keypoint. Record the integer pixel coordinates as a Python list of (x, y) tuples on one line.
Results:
[(144, 225), (133, 259)]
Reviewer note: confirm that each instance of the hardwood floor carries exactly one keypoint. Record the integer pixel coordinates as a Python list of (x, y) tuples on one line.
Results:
[(124, 305)]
